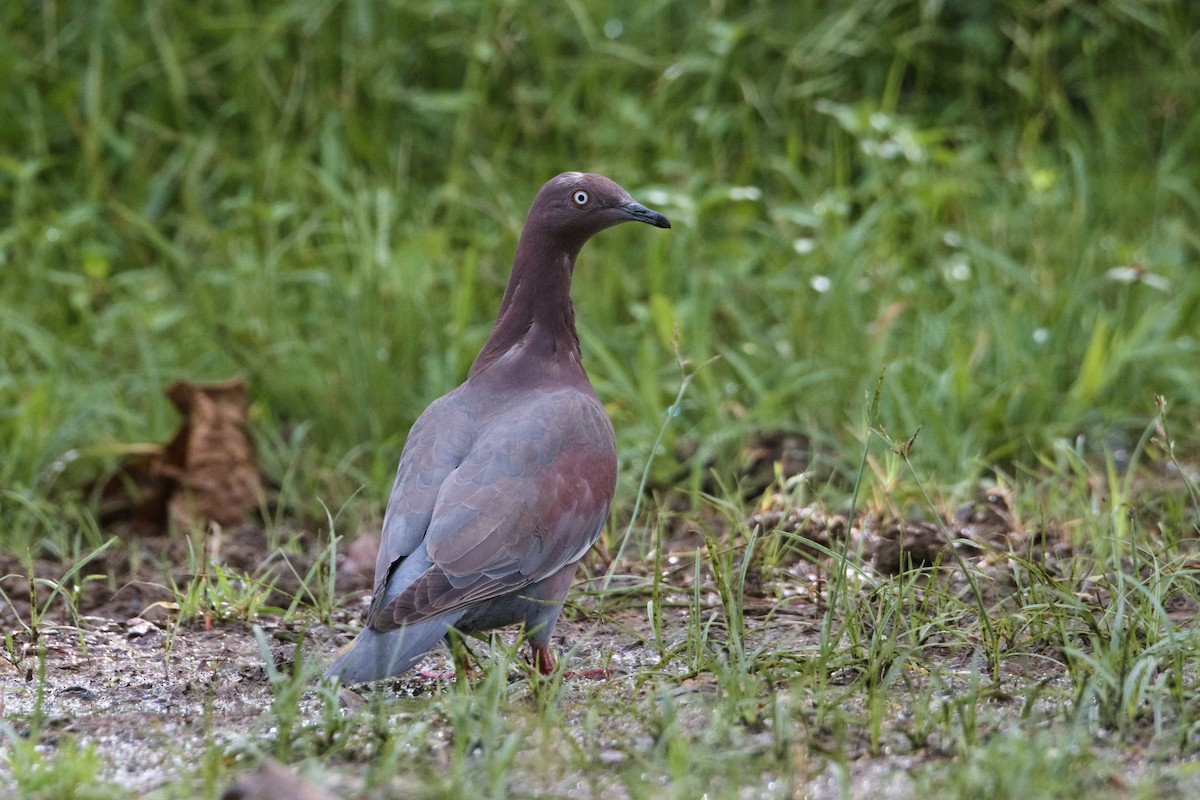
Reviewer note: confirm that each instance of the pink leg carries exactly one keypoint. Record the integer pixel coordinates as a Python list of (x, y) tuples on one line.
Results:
[(543, 660)]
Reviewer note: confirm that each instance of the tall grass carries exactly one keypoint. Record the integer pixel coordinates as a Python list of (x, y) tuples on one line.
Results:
[(994, 201)]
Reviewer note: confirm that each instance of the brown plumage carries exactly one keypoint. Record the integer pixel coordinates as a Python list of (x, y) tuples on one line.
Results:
[(505, 482)]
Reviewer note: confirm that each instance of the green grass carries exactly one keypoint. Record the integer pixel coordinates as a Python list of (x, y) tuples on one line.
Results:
[(993, 206)]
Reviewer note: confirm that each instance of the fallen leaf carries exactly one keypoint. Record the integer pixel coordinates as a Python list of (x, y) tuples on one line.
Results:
[(212, 457), (206, 474)]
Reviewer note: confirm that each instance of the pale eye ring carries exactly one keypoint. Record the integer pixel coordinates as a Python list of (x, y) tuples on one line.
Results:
[(580, 197)]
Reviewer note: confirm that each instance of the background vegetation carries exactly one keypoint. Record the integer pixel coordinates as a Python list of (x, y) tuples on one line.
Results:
[(993, 201), (997, 203)]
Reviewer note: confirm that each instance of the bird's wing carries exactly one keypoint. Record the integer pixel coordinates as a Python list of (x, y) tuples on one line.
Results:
[(437, 443), (529, 498)]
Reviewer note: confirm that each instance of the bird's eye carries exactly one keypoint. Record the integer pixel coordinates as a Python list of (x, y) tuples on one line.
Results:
[(580, 197)]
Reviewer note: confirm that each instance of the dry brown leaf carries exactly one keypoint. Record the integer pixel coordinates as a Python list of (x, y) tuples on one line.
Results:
[(207, 473), (212, 457)]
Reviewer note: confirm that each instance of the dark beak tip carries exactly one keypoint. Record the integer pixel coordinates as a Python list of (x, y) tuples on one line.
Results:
[(639, 212)]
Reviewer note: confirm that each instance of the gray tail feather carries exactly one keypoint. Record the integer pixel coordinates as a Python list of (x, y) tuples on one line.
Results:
[(374, 655)]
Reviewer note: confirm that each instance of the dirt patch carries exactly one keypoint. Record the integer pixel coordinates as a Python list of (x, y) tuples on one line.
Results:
[(152, 698), (111, 664)]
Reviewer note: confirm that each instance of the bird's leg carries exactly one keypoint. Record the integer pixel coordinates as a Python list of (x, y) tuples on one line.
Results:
[(461, 655), (543, 659), (543, 662), (592, 674)]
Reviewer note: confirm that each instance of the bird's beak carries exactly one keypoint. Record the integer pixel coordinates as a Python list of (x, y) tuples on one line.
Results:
[(638, 212)]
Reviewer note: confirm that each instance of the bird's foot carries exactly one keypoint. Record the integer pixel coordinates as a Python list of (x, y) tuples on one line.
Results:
[(592, 674), (543, 662)]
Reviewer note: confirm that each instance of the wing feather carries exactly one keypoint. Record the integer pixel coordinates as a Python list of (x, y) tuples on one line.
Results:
[(529, 498)]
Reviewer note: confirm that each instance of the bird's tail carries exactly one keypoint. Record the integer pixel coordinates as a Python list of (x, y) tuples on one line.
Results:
[(374, 655)]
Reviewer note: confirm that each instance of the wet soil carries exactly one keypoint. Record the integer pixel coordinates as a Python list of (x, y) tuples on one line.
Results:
[(120, 669)]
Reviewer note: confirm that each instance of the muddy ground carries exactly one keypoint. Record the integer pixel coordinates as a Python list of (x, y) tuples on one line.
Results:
[(154, 694)]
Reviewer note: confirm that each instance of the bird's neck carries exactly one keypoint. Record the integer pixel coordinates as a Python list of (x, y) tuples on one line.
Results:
[(537, 318)]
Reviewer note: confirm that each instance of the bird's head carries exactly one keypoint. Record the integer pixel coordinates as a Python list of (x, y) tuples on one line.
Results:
[(574, 206)]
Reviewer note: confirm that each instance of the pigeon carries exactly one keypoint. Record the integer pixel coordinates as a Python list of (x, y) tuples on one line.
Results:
[(506, 482)]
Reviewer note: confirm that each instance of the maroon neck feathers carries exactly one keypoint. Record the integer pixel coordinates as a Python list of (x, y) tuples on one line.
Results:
[(536, 315)]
